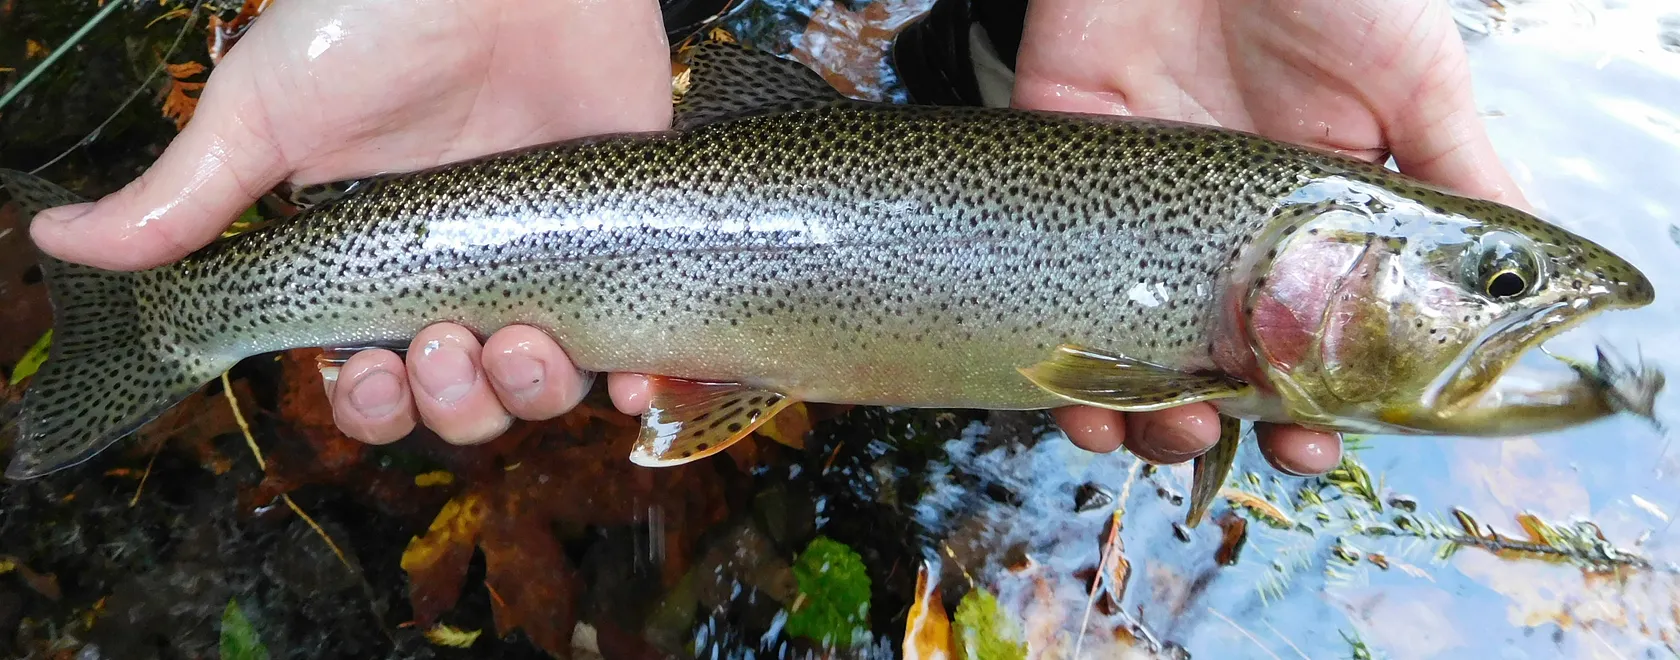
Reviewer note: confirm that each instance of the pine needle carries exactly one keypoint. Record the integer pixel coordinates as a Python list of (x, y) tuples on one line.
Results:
[(251, 441)]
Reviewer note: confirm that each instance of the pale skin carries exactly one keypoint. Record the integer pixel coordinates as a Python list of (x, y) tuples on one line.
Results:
[(323, 90)]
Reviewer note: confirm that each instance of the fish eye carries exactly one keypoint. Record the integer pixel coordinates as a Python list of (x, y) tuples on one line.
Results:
[(1504, 266)]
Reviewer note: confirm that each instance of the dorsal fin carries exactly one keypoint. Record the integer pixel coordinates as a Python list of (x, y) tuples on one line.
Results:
[(727, 81)]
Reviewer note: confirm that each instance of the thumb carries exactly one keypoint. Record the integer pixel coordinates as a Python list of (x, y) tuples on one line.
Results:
[(1437, 135), (218, 165)]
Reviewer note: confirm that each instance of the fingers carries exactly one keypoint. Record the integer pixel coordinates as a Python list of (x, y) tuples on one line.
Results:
[(1163, 437), (1174, 435), (1092, 429), (531, 375), (219, 164), (371, 400), (451, 392), (630, 392), (1299, 451)]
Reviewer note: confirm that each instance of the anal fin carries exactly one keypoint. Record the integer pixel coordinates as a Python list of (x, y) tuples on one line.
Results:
[(1092, 378), (1212, 468), (690, 420)]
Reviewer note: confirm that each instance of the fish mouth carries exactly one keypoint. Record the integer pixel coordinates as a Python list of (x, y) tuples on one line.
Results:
[(1473, 376)]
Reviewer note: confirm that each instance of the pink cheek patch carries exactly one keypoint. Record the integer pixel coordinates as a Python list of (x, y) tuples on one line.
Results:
[(1290, 307)]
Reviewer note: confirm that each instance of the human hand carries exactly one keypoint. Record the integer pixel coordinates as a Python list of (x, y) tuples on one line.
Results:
[(1367, 78), (323, 90)]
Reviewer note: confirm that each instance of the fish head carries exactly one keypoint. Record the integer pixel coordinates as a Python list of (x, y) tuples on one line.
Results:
[(1377, 306)]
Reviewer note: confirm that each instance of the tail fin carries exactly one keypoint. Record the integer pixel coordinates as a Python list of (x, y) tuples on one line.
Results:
[(107, 372)]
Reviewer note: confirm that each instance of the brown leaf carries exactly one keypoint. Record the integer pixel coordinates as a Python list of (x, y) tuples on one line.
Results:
[(1234, 536), (437, 561), (852, 43), (789, 426), (195, 424), (179, 104), (533, 586), (224, 34), (538, 477), (23, 295), (927, 629)]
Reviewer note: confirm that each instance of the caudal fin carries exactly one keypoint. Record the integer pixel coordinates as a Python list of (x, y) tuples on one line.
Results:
[(107, 372)]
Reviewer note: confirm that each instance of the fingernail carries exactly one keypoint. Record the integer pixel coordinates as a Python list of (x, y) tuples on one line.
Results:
[(64, 214), (1172, 442), (376, 394), (1311, 453), (329, 379), (517, 375), (445, 371)]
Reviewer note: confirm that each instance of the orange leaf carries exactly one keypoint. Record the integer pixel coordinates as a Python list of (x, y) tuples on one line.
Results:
[(788, 426), (184, 70), (927, 631)]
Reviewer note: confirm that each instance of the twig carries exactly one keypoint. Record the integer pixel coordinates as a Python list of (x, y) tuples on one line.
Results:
[(52, 58), (1245, 633), (250, 441), (144, 85), (145, 475), (1102, 563)]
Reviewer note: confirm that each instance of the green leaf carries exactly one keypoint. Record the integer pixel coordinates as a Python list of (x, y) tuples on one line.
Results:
[(239, 639), (833, 603), (984, 632), (32, 360)]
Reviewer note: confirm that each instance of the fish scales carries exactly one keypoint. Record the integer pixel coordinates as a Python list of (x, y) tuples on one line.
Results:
[(802, 248), (783, 243)]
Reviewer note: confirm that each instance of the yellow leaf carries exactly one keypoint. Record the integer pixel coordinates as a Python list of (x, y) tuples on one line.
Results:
[(789, 426), (33, 359), (1258, 505), (33, 49), (460, 519), (7, 564), (927, 632), (444, 635), (434, 478)]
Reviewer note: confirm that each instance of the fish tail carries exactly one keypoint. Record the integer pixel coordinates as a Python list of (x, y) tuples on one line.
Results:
[(108, 371)]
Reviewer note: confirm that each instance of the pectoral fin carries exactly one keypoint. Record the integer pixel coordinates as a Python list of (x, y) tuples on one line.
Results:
[(1087, 377), (1212, 468), (690, 420)]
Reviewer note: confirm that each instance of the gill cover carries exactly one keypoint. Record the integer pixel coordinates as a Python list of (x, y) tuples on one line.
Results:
[(1388, 309)]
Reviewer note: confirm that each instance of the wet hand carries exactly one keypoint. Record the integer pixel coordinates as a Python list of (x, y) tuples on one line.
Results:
[(325, 90), (1365, 78)]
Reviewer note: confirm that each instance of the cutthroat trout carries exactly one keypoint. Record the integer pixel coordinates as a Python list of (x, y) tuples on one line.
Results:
[(783, 243)]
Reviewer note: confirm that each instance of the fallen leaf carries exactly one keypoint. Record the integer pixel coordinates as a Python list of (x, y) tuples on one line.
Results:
[(846, 47), (984, 631), (1234, 535), (434, 478), (31, 360), (788, 427), (182, 98), (33, 49), (1259, 506), (23, 293), (437, 561), (239, 640), (516, 490), (927, 629), (224, 34), (445, 635)]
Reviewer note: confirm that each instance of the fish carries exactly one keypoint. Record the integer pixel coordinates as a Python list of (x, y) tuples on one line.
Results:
[(783, 243)]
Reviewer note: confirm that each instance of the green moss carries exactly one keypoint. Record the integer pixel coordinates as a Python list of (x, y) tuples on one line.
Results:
[(833, 603), (984, 632)]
